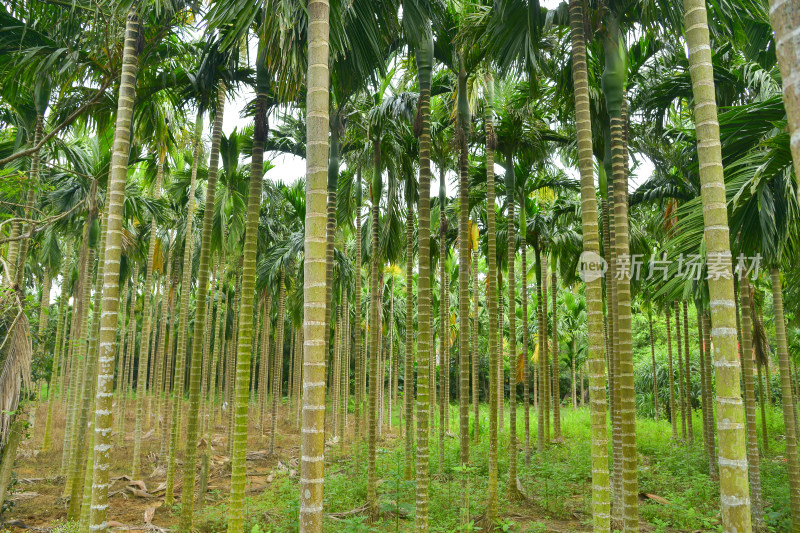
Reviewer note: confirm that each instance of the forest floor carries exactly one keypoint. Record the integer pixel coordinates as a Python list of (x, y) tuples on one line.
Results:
[(676, 490)]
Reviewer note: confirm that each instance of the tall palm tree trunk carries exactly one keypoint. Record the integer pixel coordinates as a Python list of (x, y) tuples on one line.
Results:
[(127, 356), (312, 446), (201, 316), (463, 283), (110, 291), (265, 361), (277, 361), (710, 391), (708, 435), (542, 437), (762, 407), (627, 404), (444, 356), (160, 358), (359, 410), (183, 326), (376, 379), (653, 358), (753, 457), (75, 359), (52, 390), (491, 298), (790, 422), (475, 366), (344, 380), (245, 314), (681, 380), (734, 493), (81, 428), (512, 490), (687, 372), (784, 16), (143, 346), (592, 261), (672, 415), (556, 373), (408, 370), (424, 340)]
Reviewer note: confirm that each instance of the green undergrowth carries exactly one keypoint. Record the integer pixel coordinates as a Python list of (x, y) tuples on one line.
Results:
[(677, 492)]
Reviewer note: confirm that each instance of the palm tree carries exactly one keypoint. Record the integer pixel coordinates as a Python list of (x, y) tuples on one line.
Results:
[(591, 263), (312, 445), (734, 491), (491, 297), (753, 458), (424, 53), (110, 292), (195, 372), (183, 326)]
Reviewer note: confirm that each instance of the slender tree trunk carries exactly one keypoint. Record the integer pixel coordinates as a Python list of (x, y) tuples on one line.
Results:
[(546, 374), (681, 380), (556, 373), (614, 90), (408, 371), (77, 344), (337, 364), (542, 435), (143, 346), (81, 488), (277, 362), (359, 411), (127, 356), (790, 423), (753, 458), (463, 289), (672, 415), (594, 288), (110, 292), (763, 408), (443, 340), (501, 375), (168, 375), (491, 298), (158, 386), (574, 382), (201, 315), (784, 16), (688, 373), (653, 357), (512, 491), (708, 434), (475, 365), (344, 380), (245, 312), (263, 388), (424, 340), (83, 370), (732, 450), (183, 326), (312, 447), (375, 325)]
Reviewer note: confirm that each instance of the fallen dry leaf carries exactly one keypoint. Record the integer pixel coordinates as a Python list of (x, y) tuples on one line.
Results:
[(139, 483), (655, 498), (140, 493)]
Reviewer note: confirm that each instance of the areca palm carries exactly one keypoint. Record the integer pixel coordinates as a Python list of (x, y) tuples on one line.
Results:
[(735, 504)]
